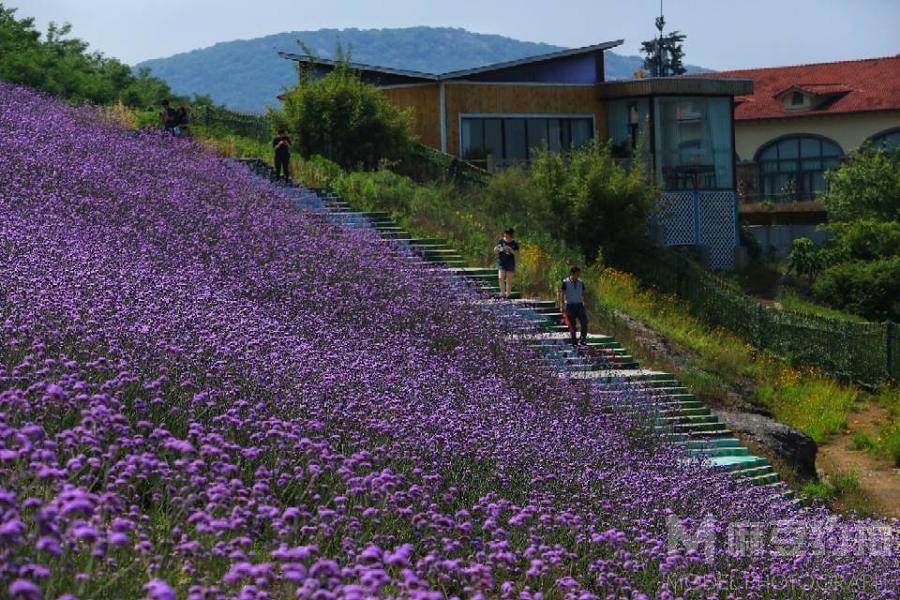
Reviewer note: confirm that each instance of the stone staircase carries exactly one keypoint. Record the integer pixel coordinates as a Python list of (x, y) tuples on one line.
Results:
[(654, 396)]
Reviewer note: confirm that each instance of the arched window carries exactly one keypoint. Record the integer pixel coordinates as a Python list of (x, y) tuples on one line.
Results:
[(888, 140), (793, 167)]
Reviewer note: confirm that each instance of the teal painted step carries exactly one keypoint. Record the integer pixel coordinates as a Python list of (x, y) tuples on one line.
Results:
[(719, 452), (680, 410), (697, 428), (727, 442), (738, 463)]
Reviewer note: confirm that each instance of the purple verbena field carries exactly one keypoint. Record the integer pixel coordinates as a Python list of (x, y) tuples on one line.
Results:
[(205, 392)]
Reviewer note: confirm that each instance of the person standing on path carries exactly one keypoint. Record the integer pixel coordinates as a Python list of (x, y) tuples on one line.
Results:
[(168, 116), (506, 250), (184, 122), (571, 300), (282, 146)]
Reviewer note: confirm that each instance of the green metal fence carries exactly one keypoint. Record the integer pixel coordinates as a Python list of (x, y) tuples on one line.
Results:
[(864, 352), (257, 127)]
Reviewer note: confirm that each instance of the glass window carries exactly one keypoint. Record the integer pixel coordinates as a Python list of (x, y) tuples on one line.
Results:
[(693, 143), (627, 120), (473, 140), (793, 168), (811, 147), (537, 135), (517, 139), (515, 145), (581, 132), (791, 149), (554, 135), (493, 138), (888, 140)]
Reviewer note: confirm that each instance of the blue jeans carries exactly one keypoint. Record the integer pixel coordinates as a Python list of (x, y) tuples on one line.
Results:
[(576, 312)]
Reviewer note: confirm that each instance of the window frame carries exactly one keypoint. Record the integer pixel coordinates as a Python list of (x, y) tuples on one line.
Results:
[(656, 133), (882, 135), (802, 174), (565, 125)]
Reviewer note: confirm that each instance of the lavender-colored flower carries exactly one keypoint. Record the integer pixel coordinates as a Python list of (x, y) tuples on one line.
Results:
[(199, 374), (159, 590), (23, 589)]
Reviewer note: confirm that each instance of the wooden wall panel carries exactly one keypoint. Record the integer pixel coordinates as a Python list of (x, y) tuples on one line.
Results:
[(520, 99), (486, 98), (425, 102)]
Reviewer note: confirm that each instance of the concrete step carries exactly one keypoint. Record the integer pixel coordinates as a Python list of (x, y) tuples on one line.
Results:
[(746, 462), (719, 452), (611, 369)]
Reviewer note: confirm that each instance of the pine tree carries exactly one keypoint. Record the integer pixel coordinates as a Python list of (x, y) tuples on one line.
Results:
[(664, 54)]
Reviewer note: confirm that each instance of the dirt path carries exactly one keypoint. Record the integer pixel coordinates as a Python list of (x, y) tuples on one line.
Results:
[(879, 480)]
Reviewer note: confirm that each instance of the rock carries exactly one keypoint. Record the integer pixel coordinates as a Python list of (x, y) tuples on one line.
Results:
[(793, 447)]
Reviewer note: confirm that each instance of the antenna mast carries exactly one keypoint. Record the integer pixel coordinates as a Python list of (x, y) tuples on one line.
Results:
[(660, 58)]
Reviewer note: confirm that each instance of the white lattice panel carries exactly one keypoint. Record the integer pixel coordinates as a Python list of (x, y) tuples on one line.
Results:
[(718, 227), (675, 216), (700, 218)]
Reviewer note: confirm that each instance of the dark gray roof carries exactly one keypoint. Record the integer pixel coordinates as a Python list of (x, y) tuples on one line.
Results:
[(420, 76), (327, 62), (531, 59), (712, 86)]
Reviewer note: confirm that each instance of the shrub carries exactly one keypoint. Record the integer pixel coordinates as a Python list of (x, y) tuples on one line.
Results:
[(866, 187), (869, 288), (345, 120), (804, 259), (584, 199), (866, 239)]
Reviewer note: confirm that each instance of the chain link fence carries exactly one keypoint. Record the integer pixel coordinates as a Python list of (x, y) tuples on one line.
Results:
[(257, 127), (864, 352)]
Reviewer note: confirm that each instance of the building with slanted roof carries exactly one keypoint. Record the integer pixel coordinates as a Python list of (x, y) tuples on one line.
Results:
[(799, 122), (802, 120), (501, 114)]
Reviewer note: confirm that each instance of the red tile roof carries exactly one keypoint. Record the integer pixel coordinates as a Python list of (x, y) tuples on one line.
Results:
[(865, 85)]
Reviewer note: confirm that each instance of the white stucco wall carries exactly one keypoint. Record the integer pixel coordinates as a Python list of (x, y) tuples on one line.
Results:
[(849, 130)]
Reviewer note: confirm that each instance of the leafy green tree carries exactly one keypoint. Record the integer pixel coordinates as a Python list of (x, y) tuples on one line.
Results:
[(345, 120), (859, 268), (583, 198), (805, 259), (63, 66), (866, 187)]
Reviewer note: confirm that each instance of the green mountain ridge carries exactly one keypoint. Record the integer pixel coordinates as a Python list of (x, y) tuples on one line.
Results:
[(248, 74)]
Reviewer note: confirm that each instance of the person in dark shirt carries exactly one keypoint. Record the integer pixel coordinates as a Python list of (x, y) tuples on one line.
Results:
[(184, 121), (282, 146), (571, 300), (168, 116), (506, 250)]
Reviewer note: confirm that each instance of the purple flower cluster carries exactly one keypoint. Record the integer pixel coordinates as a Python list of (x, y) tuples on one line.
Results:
[(206, 392)]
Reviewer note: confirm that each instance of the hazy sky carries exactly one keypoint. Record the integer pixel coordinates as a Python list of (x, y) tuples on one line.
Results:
[(722, 34)]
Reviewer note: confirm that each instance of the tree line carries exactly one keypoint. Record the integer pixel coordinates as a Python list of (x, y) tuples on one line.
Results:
[(56, 63)]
